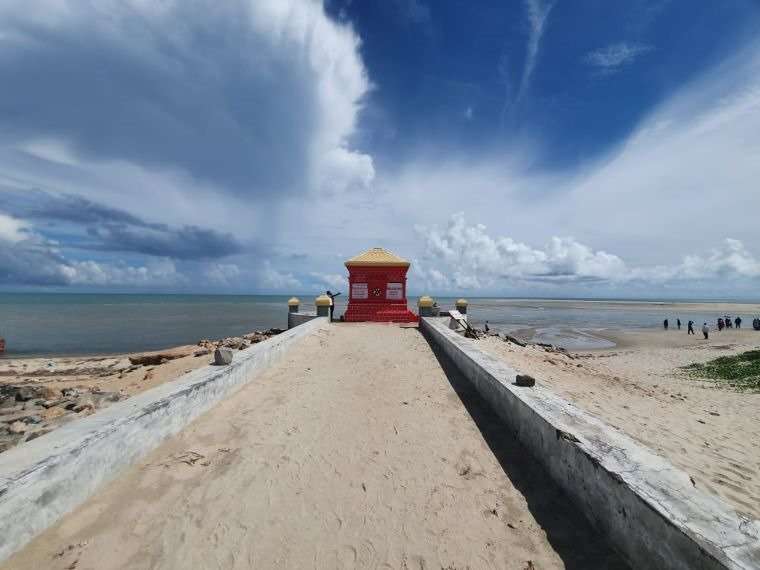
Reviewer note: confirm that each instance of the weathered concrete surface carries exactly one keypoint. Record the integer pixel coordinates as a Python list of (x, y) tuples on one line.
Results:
[(648, 508), (42, 480)]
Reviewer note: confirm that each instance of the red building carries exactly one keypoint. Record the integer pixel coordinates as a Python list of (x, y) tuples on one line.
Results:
[(377, 288)]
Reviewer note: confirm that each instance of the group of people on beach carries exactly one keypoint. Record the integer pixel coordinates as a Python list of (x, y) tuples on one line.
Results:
[(725, 322), (690, 327)]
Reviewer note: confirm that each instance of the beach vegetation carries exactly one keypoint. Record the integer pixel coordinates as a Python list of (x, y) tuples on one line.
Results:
[(741, 371)]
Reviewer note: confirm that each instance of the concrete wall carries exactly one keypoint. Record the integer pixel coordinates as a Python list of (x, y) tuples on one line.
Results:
[(43, 479), (295, 319), (649, 509)]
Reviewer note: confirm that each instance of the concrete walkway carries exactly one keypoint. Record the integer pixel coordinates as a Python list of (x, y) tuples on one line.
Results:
[(360, 450)]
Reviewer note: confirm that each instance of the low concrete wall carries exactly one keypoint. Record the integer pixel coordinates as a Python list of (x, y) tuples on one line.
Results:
[(43, 479), (649, 509), (295, 319)]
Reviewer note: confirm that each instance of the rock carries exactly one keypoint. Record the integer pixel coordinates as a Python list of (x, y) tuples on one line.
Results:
[(70, 392), (235, 343), (514, 340), (18, 427), (202, 352), (85, 404), (24, 394), (223, 356), (161, 356), (525, 380)]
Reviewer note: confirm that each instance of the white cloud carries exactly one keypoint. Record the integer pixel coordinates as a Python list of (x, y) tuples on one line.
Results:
[(223, 274), (612, 58), (538, 15), (271, 278), (155, 273), (11, 229), (472, 259), (330, 280), (466, 257)]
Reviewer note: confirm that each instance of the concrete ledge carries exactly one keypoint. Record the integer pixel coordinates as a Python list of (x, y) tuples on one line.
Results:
[(649, 510), (295, 319), (44, 479)]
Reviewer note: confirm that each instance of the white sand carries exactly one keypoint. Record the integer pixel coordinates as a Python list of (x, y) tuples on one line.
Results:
[(356, 452), (712, 433)]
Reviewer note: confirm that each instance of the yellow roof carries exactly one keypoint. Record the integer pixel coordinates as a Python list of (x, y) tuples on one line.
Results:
[(377, 257)]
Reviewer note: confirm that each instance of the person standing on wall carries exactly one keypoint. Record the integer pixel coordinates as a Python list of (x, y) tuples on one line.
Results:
[(332, 303)]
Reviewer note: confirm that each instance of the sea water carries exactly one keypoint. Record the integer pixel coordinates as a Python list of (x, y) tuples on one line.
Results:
[(81, 324)]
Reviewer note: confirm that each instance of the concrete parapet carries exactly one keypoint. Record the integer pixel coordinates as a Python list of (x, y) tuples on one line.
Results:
[(649, 510), (293, 304), (295, 319), (42, 480)]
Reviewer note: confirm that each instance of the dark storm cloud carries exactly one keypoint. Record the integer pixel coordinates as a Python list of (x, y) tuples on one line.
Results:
[(111, 229), (203, 100)]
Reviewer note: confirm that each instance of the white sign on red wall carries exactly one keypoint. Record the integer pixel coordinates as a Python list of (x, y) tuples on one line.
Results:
[(359, 291), (394, 291)]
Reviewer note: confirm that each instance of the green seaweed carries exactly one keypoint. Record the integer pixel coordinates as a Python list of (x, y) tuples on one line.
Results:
[(740, 371)]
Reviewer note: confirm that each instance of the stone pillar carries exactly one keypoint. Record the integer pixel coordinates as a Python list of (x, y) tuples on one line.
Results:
[(425, 305), (323, 306), (462, 306), (293, 303)]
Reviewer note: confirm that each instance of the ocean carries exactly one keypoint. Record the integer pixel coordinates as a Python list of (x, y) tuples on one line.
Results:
[(53, 324)]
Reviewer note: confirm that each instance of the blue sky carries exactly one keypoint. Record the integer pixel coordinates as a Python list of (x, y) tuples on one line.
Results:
[(582, 148)]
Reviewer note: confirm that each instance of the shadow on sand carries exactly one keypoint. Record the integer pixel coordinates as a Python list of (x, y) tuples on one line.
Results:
[(571, 535)]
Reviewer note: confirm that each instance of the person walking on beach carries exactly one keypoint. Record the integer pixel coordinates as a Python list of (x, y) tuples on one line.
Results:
[(665, 324), (678, 323), (486, 328), (705, 330), (738, 322), (690, 330), (720, 324), (332, 303)]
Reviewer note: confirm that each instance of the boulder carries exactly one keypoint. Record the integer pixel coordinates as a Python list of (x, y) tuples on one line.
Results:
[(525, 380), (24, 394), (223, 356), (85, 404), (18, 427)]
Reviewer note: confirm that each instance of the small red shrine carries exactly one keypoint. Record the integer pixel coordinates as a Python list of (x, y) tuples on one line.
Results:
[(377, 288)]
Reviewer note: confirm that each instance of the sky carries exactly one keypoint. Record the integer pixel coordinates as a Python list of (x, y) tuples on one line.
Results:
[(549, 148)]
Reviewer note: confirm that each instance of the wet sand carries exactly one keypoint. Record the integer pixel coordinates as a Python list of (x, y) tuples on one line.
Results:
[(706, 429), (358, 451)]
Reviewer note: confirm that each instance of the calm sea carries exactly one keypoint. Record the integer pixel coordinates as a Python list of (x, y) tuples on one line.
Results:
[(79, 324)]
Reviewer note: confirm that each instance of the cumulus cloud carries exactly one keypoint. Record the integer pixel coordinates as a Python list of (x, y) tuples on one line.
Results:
[(614, 57), (254, 97), (474, 260), (462, 256)]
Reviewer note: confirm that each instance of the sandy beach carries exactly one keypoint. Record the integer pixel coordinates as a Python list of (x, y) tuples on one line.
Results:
[(358, 451), (706, 429), (38, 395)]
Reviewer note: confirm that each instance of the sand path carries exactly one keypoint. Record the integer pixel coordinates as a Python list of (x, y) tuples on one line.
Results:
[(359, 451)]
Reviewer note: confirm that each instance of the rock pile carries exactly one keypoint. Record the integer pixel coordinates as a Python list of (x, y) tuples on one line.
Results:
[(235, 342), (29, 411)]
